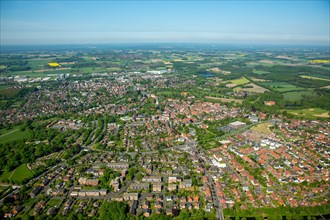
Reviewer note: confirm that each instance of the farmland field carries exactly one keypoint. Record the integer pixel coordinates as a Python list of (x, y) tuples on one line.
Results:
[(37, 64), (239, 81), (259, 80), (35, 73), (311, 113), (282, 86), (224, 99), (267, 63), (320, 61), (259, 72), (298, 95), (255, 88), (251, 64), (316, 78)]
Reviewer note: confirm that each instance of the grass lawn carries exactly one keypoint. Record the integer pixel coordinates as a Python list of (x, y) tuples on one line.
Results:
[(5, 176), (90, 188), (311, 113), (19, 174), (298, 95), (13, 134), (282, 86), (2, 188), (54, 202)]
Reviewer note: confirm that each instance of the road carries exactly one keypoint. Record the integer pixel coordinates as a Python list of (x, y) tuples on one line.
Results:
[(214, 191), (133, 154), (188, 144)]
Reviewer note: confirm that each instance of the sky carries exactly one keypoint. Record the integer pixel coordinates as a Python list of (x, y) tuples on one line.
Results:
[(101, 22)]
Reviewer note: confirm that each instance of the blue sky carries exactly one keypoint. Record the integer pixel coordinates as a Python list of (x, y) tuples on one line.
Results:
[(93, 22)]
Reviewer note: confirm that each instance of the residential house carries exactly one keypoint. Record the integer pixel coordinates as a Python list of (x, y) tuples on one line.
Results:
[(157, 187), (139, 186), (172, 187), (152, 179)]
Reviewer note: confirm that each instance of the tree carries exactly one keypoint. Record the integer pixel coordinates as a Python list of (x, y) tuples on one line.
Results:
[(139, 176), (184, 214), (72, 216), (26, 217), (113, 211)]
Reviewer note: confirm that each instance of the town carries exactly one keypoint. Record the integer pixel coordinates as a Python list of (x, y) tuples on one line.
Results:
[(185, 135)]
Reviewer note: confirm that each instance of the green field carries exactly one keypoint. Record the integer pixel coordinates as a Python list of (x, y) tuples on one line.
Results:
[(259, 72), (13, 134), (262, 128), (298, 95), (251, 64), (2, 87), (54, 202), (326, 68), (19, 174), (311, 113), (2, 188), (240, 81), (255, 88), (282, 86), (37, 64), (266, 64), (316, 78), (33, 74), (5, 175)]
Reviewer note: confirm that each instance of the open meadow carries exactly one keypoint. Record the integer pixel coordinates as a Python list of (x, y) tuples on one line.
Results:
[(262, 128), (19, 174), (311, 113), (298, 95), (281, 86), (251, 87), (13, 134)]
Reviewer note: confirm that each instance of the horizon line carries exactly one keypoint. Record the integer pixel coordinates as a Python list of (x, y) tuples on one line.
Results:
[(169, 43)]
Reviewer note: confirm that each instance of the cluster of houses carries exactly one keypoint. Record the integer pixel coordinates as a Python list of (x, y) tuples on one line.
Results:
[(280, 164)]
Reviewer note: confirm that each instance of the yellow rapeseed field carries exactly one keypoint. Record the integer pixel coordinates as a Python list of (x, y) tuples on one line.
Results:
[(53, 64), (320, 61)]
